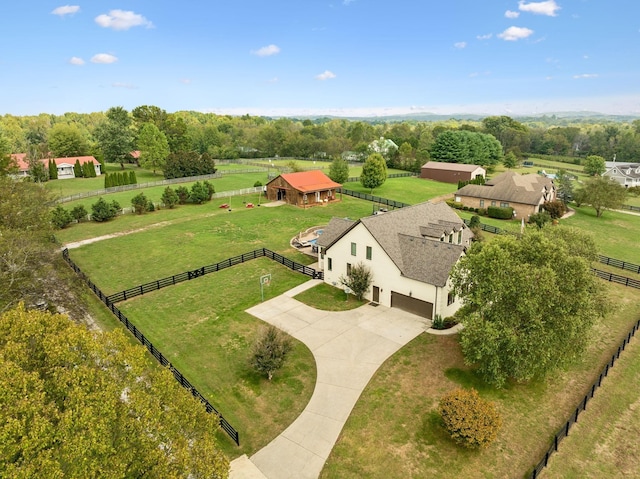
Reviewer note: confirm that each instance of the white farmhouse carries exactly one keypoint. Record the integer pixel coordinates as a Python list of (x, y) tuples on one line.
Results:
[(410, 252)]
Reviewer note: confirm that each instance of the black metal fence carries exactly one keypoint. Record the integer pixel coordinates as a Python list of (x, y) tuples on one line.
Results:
[(374, 199), (617, 263), (487, 228), (616, 278), (196, 273), (184, 382), (582, 405)]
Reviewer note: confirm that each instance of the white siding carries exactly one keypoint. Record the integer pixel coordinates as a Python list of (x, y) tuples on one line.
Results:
[(386, 274)]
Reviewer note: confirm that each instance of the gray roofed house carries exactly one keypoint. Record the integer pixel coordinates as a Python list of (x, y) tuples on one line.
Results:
[(627, 174), (410, 252), (524, 193)]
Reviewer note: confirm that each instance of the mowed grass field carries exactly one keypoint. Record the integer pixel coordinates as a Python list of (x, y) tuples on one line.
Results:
[(201, 326), (395, 430)]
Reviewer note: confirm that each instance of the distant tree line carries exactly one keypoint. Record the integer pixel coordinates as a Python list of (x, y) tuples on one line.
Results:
[(168, 141)]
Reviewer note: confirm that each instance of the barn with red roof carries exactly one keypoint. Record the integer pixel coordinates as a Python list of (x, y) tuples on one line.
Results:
[(306, 188)]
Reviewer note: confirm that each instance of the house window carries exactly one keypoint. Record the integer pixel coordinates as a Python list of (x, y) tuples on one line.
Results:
[(353, 249), (481, 203), (369, 252), (493, 203), (450, 298), (451, 238), (504, 205), (459, 236), (348, 269), (329, 264)]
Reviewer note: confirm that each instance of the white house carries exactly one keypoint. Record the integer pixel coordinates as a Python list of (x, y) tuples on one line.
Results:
[(410, 252), (384, 146), (627, 174), (63, 165)]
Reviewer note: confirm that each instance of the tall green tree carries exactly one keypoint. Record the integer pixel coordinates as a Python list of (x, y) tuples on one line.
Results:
[(153, 147), (529, 302), (26, 250), (602, 193), (339, 170), (374, 171), (116, 136), (462, 146), (66, 139), (53, 170), (76, 403), (594, 165)]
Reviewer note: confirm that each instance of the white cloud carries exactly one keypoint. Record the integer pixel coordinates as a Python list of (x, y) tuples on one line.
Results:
[(185, 81), (511, 14), (586, 57), (266, 51), (273, 80), (122, 20), (76, 61), (128, 86), (549, 7), (66, 10), (485, 37), (513, 34), (548, 78), (460, 45), (347, 2), (104, 58), (326, 75), (586, 75)]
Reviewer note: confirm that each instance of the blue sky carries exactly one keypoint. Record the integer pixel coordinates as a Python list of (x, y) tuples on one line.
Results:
[(346, 57)]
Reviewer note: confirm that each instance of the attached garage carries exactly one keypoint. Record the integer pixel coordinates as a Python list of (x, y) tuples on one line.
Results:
[(412, 305)]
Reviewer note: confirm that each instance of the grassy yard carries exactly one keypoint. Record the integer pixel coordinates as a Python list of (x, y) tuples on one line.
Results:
[(404, 437), (410, 189), (202, 328), (616, 234), (190, 242), (329, 298)]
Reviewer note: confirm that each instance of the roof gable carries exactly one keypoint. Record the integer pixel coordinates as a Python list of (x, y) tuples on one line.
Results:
[(309, 181), (511, 187)]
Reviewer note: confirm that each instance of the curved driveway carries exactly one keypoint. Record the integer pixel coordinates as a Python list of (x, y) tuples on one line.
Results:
[(348, 347)]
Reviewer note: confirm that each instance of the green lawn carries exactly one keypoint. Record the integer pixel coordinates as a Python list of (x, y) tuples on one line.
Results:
[(616, 234), (395, 431), (410, 189), (329, 298), (188, 242), (201, 326)]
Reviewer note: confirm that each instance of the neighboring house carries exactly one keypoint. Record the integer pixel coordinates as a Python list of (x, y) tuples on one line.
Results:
[(64, 165), (524, 193), (627, 174), (450, 172), (306, 188), (410, 252), (383, 146)]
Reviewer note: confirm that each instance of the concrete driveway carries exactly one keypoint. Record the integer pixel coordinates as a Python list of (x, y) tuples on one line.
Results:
[(348, 346)]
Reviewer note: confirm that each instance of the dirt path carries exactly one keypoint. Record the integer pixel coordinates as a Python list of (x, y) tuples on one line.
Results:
[(77, 244)]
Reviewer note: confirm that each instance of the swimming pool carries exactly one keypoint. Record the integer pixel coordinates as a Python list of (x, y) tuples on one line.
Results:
[(314, 240)]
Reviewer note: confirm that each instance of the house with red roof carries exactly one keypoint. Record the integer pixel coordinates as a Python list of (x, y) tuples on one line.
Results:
[(306, 188), (64, 165)]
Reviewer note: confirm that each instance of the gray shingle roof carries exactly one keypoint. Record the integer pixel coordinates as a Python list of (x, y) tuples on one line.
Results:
[(427, 260), (333, 230), (510, 187)]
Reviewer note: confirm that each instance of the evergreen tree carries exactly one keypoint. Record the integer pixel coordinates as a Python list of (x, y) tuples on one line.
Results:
[(77, 169), (374, 171), (339, 170), (106, 181), (53, 170), (132, 178), (169, 198)]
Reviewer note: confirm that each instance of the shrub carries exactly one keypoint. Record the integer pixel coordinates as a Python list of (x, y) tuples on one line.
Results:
[(470, 420), (199, 193), (140, 203), (183, 194), (151, 206), (359, 280), (79, 213), (103, 211), (474, 221), (499, 212), (482, 211), (438, 322), (555, 208), (270, 351), (540, 219), (169, 198), (257, 184), (455, 204), (210, 190), (60, 217)]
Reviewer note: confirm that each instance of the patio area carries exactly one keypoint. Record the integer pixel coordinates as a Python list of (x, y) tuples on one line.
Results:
[(305, 241)]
